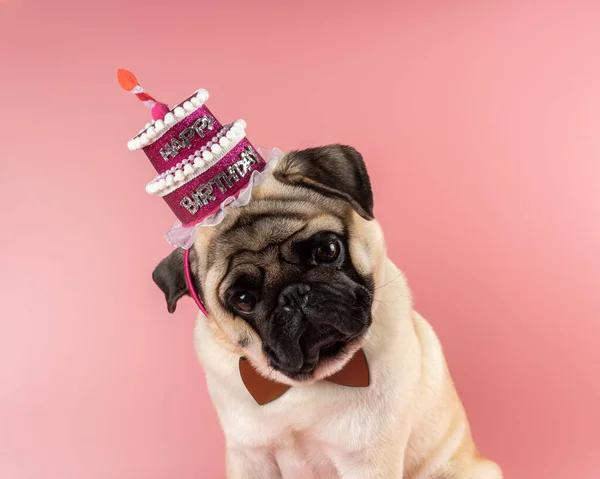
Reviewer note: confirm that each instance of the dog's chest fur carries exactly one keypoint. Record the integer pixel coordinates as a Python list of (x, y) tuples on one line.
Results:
[(317, 430), (323, 428)]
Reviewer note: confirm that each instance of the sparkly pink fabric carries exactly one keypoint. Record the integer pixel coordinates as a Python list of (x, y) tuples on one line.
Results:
[(174, 198), (153, 151), (180, 236)]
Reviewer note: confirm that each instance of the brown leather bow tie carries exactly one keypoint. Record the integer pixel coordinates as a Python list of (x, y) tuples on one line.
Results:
[(354, 374)]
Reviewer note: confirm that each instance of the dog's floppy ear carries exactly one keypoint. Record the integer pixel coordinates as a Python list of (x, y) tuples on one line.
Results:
[(334, 170), (169, 276)]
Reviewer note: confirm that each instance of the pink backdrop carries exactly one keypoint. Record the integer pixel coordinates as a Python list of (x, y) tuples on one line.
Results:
[(480, 126)]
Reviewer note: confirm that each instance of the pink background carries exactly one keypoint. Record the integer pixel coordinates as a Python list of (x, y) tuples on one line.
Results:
[(479, 122)]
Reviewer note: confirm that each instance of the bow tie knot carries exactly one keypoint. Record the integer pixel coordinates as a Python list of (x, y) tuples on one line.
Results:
[(355, 373)]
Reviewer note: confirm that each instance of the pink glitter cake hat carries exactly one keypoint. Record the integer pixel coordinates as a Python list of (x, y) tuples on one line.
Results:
[(202, 165)]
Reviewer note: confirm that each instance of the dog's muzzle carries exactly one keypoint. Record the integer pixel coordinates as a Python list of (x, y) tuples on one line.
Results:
[(312, 322)]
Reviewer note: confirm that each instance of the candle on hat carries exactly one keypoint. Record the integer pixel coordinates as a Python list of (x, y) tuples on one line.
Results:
[(129, 82)]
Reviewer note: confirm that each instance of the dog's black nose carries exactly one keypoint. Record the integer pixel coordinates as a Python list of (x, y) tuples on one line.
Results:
[(294, 295)]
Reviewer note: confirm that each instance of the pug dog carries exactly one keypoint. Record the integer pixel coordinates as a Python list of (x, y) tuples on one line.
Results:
[(298, 285)]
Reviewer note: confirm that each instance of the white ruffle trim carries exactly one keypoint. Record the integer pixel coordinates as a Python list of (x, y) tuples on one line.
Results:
[(183, 237)]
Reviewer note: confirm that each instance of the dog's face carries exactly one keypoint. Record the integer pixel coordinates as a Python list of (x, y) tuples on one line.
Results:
[(288, 279)]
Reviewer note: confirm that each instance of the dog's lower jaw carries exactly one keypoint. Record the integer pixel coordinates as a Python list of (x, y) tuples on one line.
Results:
[(331, 354), (325, 367)]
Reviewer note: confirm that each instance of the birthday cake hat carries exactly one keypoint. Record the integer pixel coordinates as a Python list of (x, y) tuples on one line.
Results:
[(202, 165)]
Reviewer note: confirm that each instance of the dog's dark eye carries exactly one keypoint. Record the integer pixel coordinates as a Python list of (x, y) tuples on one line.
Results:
[(243, 301), (328, 252)]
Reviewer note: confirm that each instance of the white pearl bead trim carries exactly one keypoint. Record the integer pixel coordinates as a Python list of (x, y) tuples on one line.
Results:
[(206, 150), (200, 161), (155, 129)]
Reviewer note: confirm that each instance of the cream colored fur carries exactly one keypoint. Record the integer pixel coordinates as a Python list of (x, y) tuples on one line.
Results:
[(408, 424)]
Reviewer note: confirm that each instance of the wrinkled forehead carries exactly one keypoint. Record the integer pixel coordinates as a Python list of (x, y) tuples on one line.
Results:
[(257, 241), (271, 222)]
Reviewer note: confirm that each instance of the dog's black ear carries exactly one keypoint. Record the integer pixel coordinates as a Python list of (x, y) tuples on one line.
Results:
[(334, 170), (169, 276)]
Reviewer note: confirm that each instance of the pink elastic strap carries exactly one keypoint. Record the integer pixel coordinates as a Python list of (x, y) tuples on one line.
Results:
[(188, 278)]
